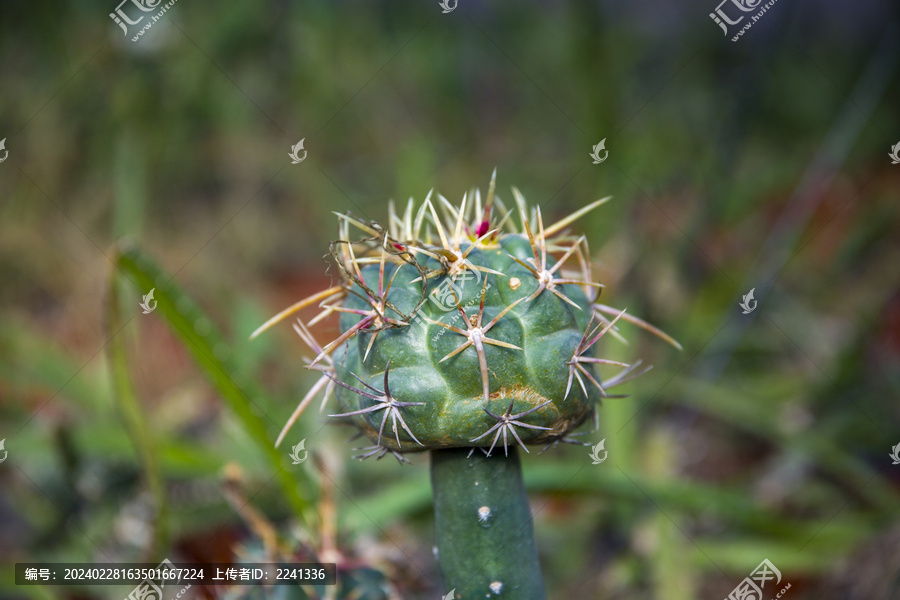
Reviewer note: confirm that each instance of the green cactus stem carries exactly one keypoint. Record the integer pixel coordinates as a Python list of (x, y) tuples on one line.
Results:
[(483, 526), (462, 332)]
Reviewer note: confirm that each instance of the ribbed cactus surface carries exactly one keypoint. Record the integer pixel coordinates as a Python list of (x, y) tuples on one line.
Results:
[(495, 349), (462, 326)]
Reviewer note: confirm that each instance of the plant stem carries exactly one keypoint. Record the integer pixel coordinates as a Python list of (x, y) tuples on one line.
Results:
[(483, 526)]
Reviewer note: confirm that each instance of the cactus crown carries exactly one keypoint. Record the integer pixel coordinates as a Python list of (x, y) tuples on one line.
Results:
[(461, 330)]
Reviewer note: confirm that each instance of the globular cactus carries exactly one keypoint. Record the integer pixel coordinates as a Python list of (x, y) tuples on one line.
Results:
[(462, 328)]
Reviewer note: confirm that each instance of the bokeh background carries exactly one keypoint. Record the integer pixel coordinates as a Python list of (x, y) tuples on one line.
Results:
[(760, 164)]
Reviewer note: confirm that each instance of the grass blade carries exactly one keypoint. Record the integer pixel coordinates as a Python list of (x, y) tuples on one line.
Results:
[(210, 352)]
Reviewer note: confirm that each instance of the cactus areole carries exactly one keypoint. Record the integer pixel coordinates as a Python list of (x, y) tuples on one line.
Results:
[(469, 331)]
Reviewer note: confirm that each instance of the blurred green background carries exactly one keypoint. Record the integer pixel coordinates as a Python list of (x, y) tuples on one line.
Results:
[(757, 164)]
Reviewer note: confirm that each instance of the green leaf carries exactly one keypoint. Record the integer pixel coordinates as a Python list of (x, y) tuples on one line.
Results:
[(135, 419), (212, 354)]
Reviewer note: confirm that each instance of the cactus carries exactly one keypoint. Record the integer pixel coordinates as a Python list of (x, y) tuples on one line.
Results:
[(460, 331)]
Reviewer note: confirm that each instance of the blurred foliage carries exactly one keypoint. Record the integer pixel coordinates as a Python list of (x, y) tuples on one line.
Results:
[(758, 164)]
